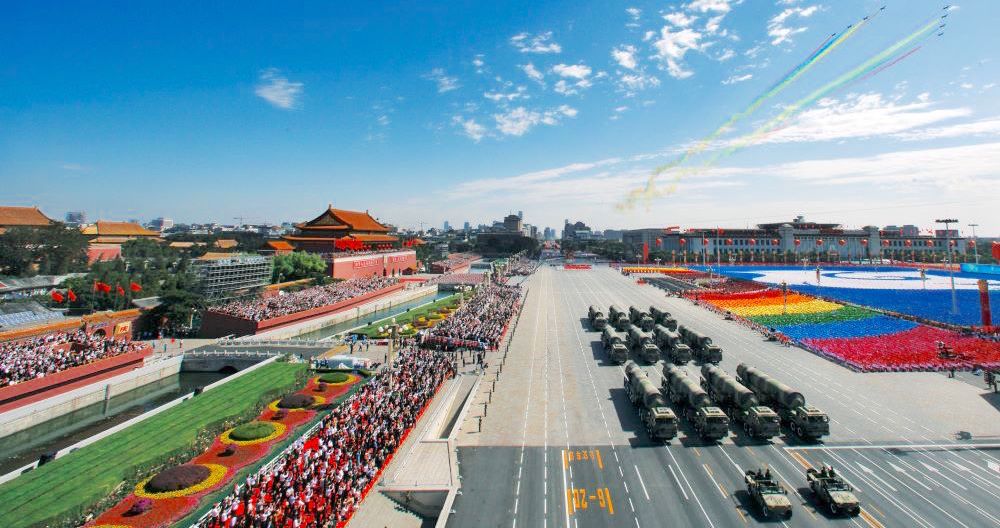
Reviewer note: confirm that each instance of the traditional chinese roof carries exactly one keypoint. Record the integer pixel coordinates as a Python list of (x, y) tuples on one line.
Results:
[(23, 216), (279, 245), (343, 220), (373, 238), (226, 243), (126, 229)]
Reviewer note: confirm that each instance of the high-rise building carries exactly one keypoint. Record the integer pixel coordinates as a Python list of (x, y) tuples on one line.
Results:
[(161, 223), (512, 223), (76, 217), (447, 226), (520, 214), (466, 227)]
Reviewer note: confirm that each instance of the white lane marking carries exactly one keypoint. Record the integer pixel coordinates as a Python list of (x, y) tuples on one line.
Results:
[(941, 447), (686, 481), (643, 484), (678, 482)]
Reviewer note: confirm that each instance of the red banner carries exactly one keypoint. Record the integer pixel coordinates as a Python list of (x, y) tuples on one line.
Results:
[(645, 252)]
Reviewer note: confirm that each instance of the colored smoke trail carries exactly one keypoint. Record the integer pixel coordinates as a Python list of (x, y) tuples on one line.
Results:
[(649, 191), (884, 58)]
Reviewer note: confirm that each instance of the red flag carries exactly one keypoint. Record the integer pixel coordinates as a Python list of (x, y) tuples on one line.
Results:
[(57, 297), (71, 295), (135, 287), (121, 291)]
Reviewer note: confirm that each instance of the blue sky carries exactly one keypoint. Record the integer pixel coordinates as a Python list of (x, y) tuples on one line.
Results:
[(466, 111)]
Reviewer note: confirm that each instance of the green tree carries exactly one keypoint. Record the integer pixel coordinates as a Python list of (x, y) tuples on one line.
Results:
[(49, 250), (298, 265)]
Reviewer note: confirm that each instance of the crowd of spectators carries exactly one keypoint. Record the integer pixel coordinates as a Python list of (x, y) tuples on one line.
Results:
[(481, 319), (261, 309), (322, 479), (34, 358)]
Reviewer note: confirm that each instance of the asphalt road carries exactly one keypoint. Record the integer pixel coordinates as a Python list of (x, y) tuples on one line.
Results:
[(562, 446)]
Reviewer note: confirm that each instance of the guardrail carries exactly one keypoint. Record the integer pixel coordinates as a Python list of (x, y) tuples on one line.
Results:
[(250, 341)]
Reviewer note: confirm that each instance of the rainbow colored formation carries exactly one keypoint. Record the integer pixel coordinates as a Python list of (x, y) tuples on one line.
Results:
[(862, 339)]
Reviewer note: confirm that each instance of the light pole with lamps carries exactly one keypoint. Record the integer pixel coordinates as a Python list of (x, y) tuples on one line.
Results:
[(975, 242), (951, 272)]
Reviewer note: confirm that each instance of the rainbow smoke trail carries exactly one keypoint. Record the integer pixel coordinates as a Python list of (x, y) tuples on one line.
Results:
[(831, 43), (885, 58)]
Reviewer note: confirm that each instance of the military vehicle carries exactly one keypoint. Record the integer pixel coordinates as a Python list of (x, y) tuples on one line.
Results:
[(768, 494), (641, 319), (701, 346), (596, 318), (618, 318), (807, 422), (709, 421), (740, 403), (643, 344), (663, 317), (658, 418), (832, 490), (670, 343), (614, 345)]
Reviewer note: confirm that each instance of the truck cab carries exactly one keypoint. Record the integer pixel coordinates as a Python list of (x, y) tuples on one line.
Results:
[(710, 422), (761, 422), (709, 354), (618, 352), (680, 353), (650, 352), (599, 322), (661, 423), (808, 422)]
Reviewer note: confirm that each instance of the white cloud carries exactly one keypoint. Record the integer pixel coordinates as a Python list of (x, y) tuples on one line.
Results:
[(680, 19), (981, 128), (498, 96), (540, 43), (479, 63), (383, 120), (443, 81), (624, 55), (574, 71), (725, 55), (633, 82), (579, 75), (520, 120), (780, 29), (861, 116), (515, 183), (671, 47), (634, 13), (278, 90), (470, 128), (968, 167), (705, 6), (533, 73), (738, 78)]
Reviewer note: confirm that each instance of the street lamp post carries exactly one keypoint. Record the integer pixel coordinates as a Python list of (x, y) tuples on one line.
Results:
[(975, 247), (951, 272)]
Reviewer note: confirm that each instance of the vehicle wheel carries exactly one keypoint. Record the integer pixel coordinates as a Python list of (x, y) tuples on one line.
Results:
[(788, 514), (833, 508)]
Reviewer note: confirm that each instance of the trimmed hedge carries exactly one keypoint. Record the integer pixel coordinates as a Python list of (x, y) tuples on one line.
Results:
[(177, 478), (334, 377), (252, 431)]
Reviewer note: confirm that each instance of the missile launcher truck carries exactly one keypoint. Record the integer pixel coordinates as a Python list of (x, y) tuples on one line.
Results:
[(614, 345), (708, 420), (657, 417), (670, 343), (618, 318), (806, 421), (833, 491), (596, 318), (663, 317), (740, 403), (641, 319), (701, 346), (768, 494), (643, 344)]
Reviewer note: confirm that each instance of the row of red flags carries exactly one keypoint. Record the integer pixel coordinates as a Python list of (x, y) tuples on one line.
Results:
[(99, 287)]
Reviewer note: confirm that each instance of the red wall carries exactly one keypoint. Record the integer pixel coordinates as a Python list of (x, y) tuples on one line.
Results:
[(381, 264), (217, 325), (52, 384)]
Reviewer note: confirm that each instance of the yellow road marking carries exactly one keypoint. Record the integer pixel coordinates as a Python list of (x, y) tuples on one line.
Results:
[(565, 461), (611, 505), (741, 515), (873, 522), (697, 452), (876, 510), (600, 463), (569, 499), (800, 459)]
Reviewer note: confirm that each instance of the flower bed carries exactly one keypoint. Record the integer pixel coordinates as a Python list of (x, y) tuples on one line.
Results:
[(230, 452), (861, 339)]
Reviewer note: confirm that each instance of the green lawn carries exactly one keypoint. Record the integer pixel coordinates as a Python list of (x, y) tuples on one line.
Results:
[(75, 482), (407, 317)]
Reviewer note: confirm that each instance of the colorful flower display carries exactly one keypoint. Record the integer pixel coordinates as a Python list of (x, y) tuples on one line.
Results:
[(862, 339), (224, 458)]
